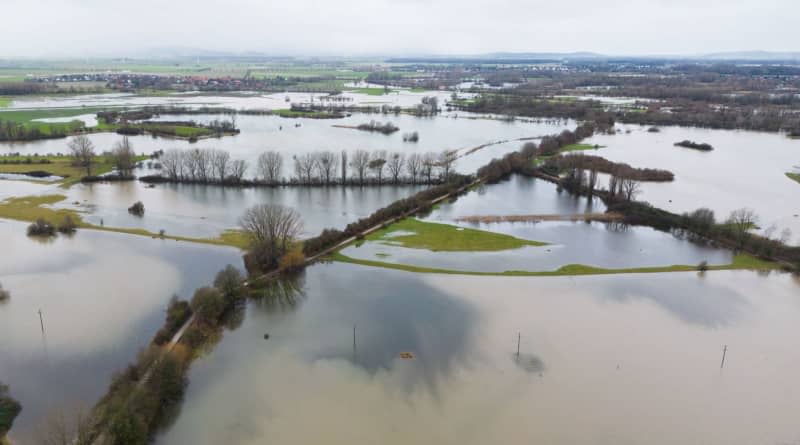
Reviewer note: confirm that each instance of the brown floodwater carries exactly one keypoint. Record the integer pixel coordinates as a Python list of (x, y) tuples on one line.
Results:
[(603, 360)]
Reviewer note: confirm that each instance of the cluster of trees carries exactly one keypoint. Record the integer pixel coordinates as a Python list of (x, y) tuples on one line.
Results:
[(203, 166), (411, 137), (387, 128), (580, 161), (42, 227), (137, 209), (694, 145)]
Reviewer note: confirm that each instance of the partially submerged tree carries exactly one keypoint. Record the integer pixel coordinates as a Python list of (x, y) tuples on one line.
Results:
[(4, 294), (395, 165), (41, 227), (82, 151), (270, 228), (9, 409), (269, 166), (137, 209), (377, 163), (124, 157), (741, 221), (229, 282), (208, 303), (360, 162)]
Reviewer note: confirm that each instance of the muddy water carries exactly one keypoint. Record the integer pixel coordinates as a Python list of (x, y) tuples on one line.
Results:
[(102, 297), (603, 360)]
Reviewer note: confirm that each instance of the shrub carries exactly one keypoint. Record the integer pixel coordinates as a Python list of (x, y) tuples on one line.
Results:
[(229, 282), (136, 209), (208, 303), (703, 266), (41, 228), (9, 409), (292, 260), (67, 225), (4, 294), (177, 313)]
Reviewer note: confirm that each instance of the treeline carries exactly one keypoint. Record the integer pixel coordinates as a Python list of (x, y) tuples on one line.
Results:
[(140, 397), (579, 161), (359, 167), (25, 88), (733, 232), (694, 145)]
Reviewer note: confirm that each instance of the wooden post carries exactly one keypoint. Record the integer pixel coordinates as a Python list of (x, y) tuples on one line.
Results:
[(41, 321), (724, 351), (519, 338), (354, 340)]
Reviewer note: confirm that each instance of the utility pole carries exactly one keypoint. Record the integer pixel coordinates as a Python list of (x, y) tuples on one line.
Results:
[(724, 351), (519, 338), (354, 341), (41, 320)]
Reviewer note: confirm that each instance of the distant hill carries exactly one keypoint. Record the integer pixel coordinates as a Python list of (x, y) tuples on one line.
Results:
[(763, 56)]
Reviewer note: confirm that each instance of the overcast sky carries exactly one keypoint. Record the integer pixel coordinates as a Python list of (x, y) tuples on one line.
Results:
[(392, 27)]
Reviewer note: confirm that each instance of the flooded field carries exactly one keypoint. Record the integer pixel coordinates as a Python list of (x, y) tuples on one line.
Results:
[(603, 360), (598, 244), (745, 169), (102, 297)]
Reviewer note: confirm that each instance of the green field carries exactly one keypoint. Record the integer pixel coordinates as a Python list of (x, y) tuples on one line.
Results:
[(578, 147), (740, 262), (793, 176), (57, 166), (5, 102), (446, 238), (31, 208)]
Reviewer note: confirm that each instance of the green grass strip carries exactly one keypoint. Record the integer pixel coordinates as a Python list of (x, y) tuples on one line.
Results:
[(446, 238), (740, 262)]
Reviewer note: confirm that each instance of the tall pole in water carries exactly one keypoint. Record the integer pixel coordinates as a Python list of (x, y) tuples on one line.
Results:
[(724, 350), (519, 338), (41, 321), (354, 340)]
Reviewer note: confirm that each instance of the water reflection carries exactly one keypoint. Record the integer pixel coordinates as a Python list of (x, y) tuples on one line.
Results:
[(102, 297)]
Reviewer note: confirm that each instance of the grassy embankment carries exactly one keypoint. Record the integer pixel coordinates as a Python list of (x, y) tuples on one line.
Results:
[(57, 166), (446, 238), (5, 102), (306, 114), (31, 208), (441, 237), (793, 176)]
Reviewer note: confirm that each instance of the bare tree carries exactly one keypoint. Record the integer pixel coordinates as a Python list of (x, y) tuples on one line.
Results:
[(360, 163), (271, 228), (326, 164), (786, 235), (446, 161), (123, 157), (343, 165), (220, 160), (270, 164), (428, 163), (741, 221), (377, 163), (304, 166), (414, 166), (630, 188), (238, 170), (592, 182), (172, 163), (395, 165), (82, 150)]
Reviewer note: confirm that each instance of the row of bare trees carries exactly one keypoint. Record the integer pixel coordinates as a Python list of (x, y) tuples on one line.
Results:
[(202, 165), (359, 167)]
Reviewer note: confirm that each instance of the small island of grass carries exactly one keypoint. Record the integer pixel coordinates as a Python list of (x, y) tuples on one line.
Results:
[(416, 234), (794, 177)]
